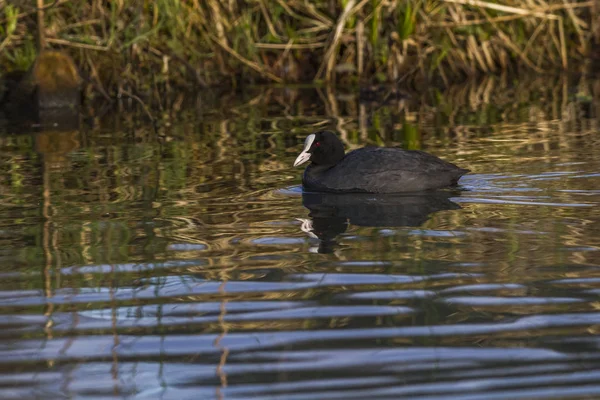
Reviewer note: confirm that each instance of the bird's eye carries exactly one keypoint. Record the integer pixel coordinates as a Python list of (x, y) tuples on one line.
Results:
[(318, 144)]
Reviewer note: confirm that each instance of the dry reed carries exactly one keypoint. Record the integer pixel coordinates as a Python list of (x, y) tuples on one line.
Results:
[(148, 46)]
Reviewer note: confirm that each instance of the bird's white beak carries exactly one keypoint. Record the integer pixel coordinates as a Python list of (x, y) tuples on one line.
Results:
[(307, 227), (305, 155), (302, 158)]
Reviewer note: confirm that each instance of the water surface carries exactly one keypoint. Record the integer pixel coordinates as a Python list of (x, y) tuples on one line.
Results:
[(184, 261)]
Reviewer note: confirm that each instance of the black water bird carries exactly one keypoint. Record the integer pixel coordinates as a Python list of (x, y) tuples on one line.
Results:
[(371, 169)]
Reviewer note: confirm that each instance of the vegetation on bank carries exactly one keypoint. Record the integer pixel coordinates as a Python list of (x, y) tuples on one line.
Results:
[(141, 45)]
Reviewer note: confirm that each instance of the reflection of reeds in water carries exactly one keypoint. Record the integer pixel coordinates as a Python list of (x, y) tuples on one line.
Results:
[(125, 194), (250, 149)]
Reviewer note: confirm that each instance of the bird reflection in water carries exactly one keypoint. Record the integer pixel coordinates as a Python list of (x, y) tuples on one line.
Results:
[(331, 213)]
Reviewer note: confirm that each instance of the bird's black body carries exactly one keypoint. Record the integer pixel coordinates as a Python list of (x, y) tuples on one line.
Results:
[(373, 169)]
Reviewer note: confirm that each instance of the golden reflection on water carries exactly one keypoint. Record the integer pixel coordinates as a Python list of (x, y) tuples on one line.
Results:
[(98, 223)]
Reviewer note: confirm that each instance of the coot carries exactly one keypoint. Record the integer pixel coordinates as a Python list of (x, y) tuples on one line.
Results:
[(371, 169)]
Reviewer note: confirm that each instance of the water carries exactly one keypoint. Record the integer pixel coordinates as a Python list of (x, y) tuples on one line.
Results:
[(185, 262)]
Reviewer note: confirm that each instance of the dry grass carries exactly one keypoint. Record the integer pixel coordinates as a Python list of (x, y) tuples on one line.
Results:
[(150, 46)]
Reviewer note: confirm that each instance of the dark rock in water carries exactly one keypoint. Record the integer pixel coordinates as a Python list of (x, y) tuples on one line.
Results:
[(53, 81), (52, 86)]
